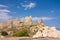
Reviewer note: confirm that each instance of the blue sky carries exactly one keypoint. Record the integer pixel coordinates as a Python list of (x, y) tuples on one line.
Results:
[(48, 10)]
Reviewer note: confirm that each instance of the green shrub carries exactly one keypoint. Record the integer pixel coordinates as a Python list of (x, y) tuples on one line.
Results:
[(4, 33), (21, 33)]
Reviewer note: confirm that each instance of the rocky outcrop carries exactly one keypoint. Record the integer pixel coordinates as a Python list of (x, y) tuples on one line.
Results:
[(48, 32), (28, 20)]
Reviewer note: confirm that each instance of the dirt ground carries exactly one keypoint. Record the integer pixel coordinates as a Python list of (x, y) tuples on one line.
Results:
[(27, 38)]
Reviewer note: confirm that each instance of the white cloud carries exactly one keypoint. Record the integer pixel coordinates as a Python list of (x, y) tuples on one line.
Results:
[(35, 18), (3, 5), (47, 18), (28, 6), (4, 16), (4, 10), (44, 18)]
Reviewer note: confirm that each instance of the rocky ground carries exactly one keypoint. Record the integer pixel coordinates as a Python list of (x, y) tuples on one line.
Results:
[(27, 38)]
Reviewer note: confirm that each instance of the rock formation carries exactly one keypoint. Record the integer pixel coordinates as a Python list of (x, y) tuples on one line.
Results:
[(46, 31), (10, 23), (41, 29), (16, 22), (28, 20), (40, 24)]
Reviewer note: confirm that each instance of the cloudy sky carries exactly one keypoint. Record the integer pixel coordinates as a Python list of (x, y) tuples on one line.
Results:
[(48, 10)]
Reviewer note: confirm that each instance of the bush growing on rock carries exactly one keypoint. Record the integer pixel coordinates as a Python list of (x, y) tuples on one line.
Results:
[(4, 33), (21, 33)]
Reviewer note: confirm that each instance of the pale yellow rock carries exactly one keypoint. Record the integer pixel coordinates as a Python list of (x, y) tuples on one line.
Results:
[(28, 20), (38, 34), (16, 22), (40, 24), (48, 32), (45, 31), (58, 33)]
